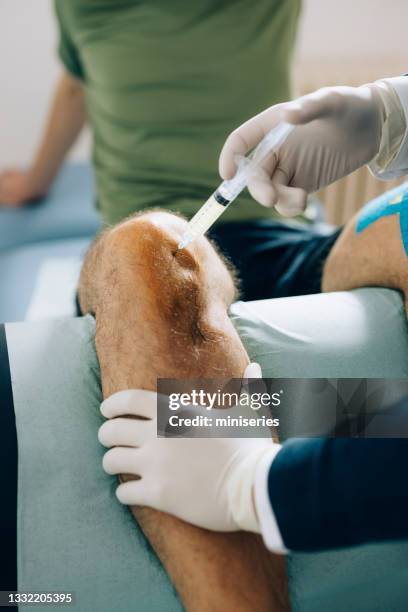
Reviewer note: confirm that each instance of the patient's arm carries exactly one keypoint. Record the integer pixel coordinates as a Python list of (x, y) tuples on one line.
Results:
[(164, 314), (374, 257)]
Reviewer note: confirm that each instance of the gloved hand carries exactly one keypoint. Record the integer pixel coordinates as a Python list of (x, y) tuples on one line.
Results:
[(206, 482), (338, 130)]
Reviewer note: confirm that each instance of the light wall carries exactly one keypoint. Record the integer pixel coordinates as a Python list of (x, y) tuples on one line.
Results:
[(28, 70), (354, 29), (346, 31)]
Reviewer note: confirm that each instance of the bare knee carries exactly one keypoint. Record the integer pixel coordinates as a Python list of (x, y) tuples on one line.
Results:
[(143, 250), (125, 251), (175, 303)]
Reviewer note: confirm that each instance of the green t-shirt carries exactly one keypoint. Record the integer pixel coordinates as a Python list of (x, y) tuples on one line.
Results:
[(165, 83)]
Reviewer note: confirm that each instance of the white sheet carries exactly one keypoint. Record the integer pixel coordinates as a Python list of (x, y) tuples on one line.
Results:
[(54, 292)]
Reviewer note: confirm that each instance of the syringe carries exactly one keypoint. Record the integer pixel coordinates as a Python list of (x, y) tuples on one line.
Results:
[(229, 190)]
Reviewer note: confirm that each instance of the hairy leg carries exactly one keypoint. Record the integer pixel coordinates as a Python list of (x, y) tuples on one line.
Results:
[(164, 314)]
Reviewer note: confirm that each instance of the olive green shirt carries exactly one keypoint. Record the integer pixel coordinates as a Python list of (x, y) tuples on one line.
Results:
[(166, 82)]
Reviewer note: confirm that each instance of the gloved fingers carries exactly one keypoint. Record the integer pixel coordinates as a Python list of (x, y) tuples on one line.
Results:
[(319, 104), (133, 493), (137, 402), (288, 201), (121, 460), (238, 144), (261, 188), (253, 370), (245, 138), (291, 201), (126, 432)]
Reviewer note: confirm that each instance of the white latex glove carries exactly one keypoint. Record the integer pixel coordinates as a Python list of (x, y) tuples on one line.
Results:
[(206, 482), (339, 130)]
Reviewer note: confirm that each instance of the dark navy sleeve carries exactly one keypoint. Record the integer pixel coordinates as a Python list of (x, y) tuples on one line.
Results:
[(330, 493), (8, 474)]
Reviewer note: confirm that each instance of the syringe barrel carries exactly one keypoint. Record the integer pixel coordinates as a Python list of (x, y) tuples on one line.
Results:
[(207, 215), (247, 166), (230, 189)]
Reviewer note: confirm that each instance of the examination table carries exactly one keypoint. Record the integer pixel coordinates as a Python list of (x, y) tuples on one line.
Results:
[(72, 533)]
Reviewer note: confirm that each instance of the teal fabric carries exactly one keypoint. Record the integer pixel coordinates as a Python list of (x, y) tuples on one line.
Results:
[(73, 533), (66, 212), (362, 333)]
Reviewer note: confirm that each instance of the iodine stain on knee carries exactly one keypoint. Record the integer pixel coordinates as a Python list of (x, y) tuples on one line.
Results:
[(185, 259), (179, 292), (171, 278)]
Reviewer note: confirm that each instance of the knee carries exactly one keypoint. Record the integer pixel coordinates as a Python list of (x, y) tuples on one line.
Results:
[(140, 251)]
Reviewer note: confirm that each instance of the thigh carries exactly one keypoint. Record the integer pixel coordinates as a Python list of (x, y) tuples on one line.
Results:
[(275, 259)]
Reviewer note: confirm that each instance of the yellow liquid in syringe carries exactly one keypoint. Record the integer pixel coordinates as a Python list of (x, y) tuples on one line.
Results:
[(230, 189), (203, 220)]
